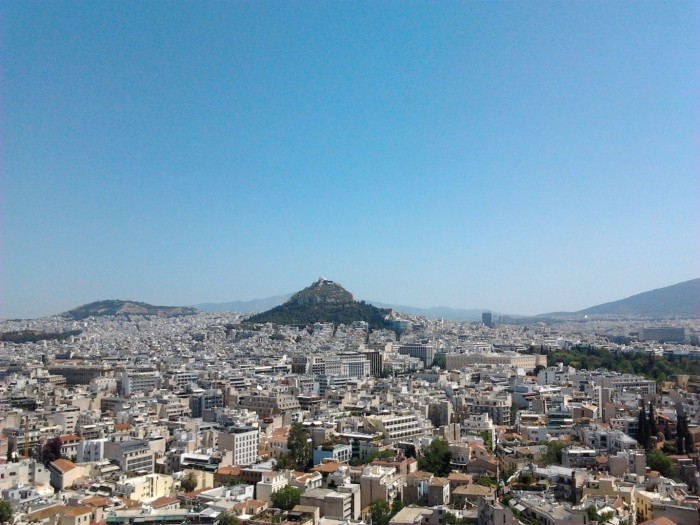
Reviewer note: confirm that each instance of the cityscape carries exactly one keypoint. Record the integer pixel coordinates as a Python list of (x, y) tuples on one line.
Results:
[(370, 262), (122, 413)]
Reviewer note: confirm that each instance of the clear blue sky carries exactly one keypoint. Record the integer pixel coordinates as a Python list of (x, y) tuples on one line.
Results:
[(519, 156)]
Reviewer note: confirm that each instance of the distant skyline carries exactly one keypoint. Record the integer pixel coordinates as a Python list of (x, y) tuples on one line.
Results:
[(524, 157)]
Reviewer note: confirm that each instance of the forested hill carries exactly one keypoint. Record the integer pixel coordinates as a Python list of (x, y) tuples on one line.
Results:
[(323, 302)]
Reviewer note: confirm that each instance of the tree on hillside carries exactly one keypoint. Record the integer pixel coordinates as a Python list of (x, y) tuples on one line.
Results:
[(436, 458), (286, 498)]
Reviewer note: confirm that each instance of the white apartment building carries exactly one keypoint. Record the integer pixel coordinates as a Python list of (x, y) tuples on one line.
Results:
[(134, 382), (90, 450), (404, 427), (243, 442)]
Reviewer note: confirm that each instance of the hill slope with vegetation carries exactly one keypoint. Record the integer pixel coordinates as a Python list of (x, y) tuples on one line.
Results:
[(323, 302)]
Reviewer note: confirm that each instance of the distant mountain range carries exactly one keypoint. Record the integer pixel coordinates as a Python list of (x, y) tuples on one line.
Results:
[(438, 312), (244, 307), (678, 300), (323, 302), (259, 305), (118, 307)]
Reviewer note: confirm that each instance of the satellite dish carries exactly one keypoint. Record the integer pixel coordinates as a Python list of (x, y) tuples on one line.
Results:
[(259, 387)]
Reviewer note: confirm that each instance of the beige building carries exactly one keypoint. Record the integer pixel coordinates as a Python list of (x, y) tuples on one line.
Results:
[(526, 362), (332, 503), (150, 486), (378, 482), (65, 473), (271, 483)]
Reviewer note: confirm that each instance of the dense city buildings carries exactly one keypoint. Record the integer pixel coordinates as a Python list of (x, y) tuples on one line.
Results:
[(136, 419)]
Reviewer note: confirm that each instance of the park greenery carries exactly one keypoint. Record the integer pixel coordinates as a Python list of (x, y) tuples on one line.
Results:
[(436, 458), (592, 358)]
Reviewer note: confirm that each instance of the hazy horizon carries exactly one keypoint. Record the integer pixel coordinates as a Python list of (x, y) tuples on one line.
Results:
[(526, 157)]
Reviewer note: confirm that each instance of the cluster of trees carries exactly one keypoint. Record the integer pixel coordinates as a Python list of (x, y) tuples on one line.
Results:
[(286, 498), (647, 429), (592, 358), (657, 460), (646, 426), (49, 452), (34, 336), (436, 458), (553, 454), (440, 361), (338, 313)]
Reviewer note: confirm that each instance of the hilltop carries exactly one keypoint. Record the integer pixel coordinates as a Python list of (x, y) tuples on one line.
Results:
[(682, 299), (323, 302), (118, 307)]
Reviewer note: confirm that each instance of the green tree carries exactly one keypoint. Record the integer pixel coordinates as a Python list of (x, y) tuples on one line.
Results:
[(51, 450), (653, 430), (657, 460), (439, 361), (486, 436), (380, 511), (436, 458), (380, 454), (286, 498), (300, 447), (396, 507), (5, 511), (553, 454), (486, 481), (227, 518), (684, 439), (189, 482), (643, 428)]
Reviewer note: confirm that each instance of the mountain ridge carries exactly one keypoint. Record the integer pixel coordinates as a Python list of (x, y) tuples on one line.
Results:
[(125, 307), (676, 300), (681, 299)]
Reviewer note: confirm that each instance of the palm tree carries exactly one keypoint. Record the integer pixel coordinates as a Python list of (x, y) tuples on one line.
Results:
[(189, 482)]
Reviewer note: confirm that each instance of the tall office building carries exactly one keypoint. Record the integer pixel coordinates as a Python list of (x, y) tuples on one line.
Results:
[(487, 319)]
